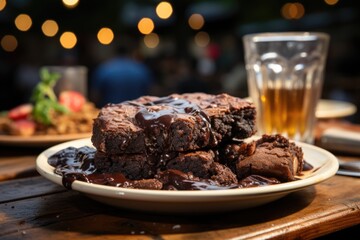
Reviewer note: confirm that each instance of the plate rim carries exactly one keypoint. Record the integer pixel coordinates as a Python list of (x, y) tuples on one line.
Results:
[(183, 195)]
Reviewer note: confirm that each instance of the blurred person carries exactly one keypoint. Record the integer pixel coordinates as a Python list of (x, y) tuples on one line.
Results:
[(120, 78)]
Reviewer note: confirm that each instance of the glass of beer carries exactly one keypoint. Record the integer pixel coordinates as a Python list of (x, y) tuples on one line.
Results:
[(285, 72)]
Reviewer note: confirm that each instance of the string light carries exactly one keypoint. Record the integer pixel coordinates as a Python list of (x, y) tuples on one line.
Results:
[(2, 4), (146, 25), (68, 40), (164, 10), (70, 3), (151, 40), (49, 28), (105, 36), (293, 10), (196, 21), (331, 2), (23, 22), (202, 39), (9, 43)]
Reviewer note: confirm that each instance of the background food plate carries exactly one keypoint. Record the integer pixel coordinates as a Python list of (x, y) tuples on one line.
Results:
[(40, 140), (193, 201)]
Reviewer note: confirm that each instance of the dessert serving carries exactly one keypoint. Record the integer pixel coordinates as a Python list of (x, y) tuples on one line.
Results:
[(193, 141)]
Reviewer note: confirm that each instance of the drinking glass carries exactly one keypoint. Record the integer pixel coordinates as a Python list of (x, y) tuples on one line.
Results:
[(285, 72)]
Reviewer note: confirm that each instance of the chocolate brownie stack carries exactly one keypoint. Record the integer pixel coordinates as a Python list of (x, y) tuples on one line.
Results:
[(190, 141)]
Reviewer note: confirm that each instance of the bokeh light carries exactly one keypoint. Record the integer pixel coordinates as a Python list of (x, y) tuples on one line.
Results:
[(196, 21), (68, 40), (9, 43), (293, 10), (202, 39), (105, 36), (70, 3), (49, 28), (331, 2), (23, 22), (146, 25), (2, 4), (164, 10), (151, 40)]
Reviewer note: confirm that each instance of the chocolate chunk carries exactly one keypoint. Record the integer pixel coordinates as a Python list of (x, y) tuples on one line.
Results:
[(274, 156)]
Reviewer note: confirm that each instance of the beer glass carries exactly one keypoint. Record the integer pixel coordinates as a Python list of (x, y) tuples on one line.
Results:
[(285, 72)]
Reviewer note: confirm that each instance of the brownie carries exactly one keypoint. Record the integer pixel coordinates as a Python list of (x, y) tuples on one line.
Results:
[(177, 180), (175, 123), (270, 156), (132, 166), (201, 164), (119, 180)]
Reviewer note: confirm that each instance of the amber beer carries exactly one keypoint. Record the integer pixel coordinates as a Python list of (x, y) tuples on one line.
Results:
[(287, 111)]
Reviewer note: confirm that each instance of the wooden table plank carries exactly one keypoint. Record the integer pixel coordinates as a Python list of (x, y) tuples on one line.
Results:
[(17, 162), (309, 213), (17, 167), (27, 188)]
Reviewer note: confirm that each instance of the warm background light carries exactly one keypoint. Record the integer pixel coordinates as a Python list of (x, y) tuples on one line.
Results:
[(196, 21), (164, 10), (9, 43), (105, 36), (70, 3), (23, 22), (146, 25), (151, 40), (292, 10), (331, 2), (202, 39), (50, 28), (2, 4), (68, 40)]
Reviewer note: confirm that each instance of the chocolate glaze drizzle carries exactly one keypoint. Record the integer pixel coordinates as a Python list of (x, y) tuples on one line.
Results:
[(159, 114)]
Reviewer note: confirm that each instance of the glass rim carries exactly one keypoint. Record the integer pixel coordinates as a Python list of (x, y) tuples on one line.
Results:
[(286, 36)]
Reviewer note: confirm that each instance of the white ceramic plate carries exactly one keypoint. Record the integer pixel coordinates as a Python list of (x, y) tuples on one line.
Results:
[(191, 201), (39, 140), (331, 108)]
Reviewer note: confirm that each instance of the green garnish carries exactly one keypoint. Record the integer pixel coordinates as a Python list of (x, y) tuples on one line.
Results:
[(44, 98)]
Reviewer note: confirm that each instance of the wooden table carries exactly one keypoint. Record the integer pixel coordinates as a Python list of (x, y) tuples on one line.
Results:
[(31, 207)]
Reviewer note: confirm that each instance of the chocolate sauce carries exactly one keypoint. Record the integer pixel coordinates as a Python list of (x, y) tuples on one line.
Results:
[(307, 166), (78, 164), (73, 164), (162, 112)]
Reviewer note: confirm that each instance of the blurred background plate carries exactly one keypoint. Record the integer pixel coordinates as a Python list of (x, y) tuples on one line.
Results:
[(334, 109)]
